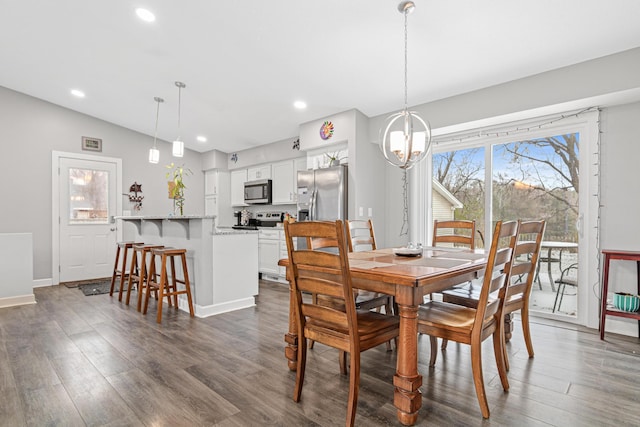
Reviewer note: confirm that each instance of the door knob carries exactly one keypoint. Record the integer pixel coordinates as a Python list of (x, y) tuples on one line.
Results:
[(112, 229)]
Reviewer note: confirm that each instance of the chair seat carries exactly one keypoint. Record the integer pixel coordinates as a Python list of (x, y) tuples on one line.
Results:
[(444, 320), (373, 328)]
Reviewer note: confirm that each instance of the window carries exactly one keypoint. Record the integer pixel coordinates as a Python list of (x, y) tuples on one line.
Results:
[(88, 196)]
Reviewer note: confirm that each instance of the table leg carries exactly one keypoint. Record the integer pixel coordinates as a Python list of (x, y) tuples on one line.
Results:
[(291, 337), (638, 279), (407, 397), (603, 297), (553, 288)]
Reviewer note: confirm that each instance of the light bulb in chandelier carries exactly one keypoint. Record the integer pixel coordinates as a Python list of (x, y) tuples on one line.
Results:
[(405, 139)]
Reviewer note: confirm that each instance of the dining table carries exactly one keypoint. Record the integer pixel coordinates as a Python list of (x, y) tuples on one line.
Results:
[(408, 279)]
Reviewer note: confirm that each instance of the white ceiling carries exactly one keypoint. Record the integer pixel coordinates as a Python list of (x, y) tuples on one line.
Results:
[(246, 62)]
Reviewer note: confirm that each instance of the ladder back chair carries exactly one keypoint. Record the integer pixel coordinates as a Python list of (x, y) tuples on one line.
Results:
[(340, 326), (473, 325), (523, 272)]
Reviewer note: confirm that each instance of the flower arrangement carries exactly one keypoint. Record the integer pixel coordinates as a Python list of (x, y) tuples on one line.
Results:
[(175, 175)]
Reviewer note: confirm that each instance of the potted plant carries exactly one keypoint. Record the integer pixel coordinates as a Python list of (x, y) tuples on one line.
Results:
[(334, 158), (175, 175)]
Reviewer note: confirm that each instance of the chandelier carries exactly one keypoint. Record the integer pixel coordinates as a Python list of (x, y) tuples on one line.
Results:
[(405, 137)]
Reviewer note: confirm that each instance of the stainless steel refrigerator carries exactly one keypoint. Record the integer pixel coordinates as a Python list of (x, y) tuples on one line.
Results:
[(322, 194)]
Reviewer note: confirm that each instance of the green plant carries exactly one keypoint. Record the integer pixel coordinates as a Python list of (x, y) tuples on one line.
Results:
[(334, 158), (175, 175)]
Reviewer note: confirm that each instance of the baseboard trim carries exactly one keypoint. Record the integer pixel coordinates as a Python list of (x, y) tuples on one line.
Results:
[(212, 310), (17, 300)]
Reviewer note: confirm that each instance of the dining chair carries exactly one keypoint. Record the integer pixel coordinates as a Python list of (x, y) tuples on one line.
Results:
[(364, 300), (568, 277), (523, 273), (457, 233), (473, 325), (340, 326)]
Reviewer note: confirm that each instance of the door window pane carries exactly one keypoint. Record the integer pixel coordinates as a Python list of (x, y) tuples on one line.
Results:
[(88, 196), (461, 190), (538, 179)]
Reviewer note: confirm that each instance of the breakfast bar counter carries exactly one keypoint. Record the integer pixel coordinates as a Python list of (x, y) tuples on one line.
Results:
[(222, 263)]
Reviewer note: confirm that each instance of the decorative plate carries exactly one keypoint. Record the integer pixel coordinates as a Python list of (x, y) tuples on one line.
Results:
[(407, 251), (326, 130)]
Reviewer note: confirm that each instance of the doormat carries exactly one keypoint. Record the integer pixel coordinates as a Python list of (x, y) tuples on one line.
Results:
[(98, 288)]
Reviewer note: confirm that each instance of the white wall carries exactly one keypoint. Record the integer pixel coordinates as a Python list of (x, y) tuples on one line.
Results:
[(32, 129)]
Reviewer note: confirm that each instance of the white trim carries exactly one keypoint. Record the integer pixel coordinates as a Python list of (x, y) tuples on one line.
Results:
[(213, 309), (55, 202), (18, 300), (41, 283)]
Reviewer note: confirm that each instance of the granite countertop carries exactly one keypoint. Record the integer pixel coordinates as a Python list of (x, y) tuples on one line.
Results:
[(167, 217)]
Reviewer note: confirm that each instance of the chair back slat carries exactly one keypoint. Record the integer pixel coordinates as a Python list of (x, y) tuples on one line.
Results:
[(456, 232), (525, 262), (360, 235)]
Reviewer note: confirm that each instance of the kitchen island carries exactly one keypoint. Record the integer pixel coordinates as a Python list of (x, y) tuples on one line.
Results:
[(222, 262)]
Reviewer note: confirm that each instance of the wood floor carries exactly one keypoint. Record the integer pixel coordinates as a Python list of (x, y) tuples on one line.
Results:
[(71, 360)]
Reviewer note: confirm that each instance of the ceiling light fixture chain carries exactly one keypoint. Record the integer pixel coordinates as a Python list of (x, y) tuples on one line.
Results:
[(154, 153), (178, 144)]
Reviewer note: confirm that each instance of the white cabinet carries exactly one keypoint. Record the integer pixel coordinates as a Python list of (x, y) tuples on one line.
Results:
[(285, 180), (238, 178), (282, 186), (268, 251), (259, 172), (211, 182), (217, 195)]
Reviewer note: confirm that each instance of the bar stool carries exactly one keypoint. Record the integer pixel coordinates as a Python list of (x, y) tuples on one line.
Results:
[(138, 271), (164, 286), (122, 271)]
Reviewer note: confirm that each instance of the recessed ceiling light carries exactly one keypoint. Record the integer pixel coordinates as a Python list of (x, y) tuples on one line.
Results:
[(78, 93), (201, 138), (145, 15), (300, 105)]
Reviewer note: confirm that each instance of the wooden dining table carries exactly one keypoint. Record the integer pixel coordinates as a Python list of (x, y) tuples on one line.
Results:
[(408, 279)]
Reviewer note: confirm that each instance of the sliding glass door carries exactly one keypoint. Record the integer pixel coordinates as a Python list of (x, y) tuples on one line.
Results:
[(534, 176)]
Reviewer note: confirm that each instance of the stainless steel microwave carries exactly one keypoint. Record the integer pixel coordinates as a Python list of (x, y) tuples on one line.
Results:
[(257, 192)]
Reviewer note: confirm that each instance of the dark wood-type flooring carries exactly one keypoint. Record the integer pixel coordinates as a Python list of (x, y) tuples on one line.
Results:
[(71, 360)]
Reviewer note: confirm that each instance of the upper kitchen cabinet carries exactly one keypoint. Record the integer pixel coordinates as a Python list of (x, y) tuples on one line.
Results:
[(238, 178), (259, 172), (217, 195), (284, 176), (215, 181)]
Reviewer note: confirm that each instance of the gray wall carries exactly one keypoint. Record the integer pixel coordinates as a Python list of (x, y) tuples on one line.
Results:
[(32, 129), (611, 74)]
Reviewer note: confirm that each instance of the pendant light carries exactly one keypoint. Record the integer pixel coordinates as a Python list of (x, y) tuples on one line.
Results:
[(154, 153), (178, 145), (405, 137)]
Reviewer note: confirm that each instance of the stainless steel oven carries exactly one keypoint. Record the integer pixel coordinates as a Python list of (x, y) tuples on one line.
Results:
[(257, 192)]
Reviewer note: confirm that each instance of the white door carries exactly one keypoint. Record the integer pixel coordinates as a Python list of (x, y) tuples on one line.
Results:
[(87, 202)]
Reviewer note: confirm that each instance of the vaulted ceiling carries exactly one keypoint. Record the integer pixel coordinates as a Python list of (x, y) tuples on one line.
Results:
[(244, 63)]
